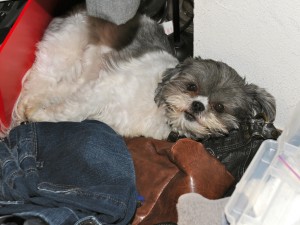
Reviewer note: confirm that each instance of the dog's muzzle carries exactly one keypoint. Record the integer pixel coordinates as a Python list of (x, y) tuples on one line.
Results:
[(196, 107)]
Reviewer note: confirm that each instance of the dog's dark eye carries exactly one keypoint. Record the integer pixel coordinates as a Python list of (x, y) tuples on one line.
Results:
[(219, 107), (192, 87)]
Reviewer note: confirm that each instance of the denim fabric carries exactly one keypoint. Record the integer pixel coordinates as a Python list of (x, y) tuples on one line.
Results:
[(67, 173)]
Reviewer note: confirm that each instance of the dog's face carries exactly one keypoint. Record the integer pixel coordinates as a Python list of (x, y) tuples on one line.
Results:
[(205, 98)]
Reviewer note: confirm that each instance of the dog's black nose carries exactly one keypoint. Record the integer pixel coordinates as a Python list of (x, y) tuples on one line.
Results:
[(197, 107)]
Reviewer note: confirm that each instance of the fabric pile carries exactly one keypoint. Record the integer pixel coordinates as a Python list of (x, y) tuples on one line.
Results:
[(67, 173), (85, 173)]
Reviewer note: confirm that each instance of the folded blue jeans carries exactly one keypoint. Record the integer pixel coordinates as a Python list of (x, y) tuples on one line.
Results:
[(67, 173)]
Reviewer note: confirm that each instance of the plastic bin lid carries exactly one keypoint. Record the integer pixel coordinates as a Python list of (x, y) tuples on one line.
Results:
[(269, 191)]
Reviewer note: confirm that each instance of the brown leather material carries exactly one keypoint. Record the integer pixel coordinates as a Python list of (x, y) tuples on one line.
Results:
[(165, 171)]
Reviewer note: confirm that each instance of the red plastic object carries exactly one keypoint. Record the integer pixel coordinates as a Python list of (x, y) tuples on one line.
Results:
[(17, 51)]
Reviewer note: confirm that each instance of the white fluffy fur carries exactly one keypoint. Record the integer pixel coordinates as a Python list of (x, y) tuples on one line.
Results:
[(68, 83), (87, 69)]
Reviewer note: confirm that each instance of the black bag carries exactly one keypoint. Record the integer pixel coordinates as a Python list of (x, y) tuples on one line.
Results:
[(237, 149)]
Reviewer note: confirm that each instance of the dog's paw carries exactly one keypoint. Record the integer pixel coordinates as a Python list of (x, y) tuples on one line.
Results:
[(33, 113), (30, 110)]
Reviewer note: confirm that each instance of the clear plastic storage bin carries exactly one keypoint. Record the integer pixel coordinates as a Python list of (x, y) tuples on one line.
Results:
[(269, 191)]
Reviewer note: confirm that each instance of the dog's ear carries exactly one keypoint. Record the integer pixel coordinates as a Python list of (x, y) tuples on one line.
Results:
[(262, 102), (167, 76), (171, 73)]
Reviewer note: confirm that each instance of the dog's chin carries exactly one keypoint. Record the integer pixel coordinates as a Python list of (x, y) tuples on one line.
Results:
[(202, 125), (189, 116)]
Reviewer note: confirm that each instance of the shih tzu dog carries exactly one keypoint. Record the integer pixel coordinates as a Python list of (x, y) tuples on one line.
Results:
[(127, 77)]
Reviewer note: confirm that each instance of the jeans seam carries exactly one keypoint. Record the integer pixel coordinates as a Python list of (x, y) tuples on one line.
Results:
[(79, 222), (9, 202), (74, 214), (11, 177), (30, 170), (25, 156), (7, 160), (78, 191), (24, 175), (34, 139)]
